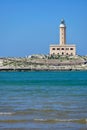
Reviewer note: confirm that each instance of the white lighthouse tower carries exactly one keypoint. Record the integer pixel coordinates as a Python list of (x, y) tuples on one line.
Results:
[(62, 33)]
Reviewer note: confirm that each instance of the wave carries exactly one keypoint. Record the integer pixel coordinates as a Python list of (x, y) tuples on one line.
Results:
[(6, 113), (49, 121), (81, 121)]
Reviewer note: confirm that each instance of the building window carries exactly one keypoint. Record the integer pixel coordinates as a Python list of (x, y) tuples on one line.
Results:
[(67, 48), (71, 54), (66, 53), (53, 48), (62, 53), (58, 48), (62, 48), (71, 48)]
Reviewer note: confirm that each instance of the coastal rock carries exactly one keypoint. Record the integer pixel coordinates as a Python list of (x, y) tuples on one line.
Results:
[(44, 62)]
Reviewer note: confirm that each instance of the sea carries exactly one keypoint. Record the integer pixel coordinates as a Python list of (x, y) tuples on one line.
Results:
[(43, 100)]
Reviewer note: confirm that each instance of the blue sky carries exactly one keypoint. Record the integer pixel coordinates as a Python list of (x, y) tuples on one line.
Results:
[(30, 26)]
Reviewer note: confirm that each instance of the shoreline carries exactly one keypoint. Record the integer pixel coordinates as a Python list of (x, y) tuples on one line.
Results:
[(36, 69)]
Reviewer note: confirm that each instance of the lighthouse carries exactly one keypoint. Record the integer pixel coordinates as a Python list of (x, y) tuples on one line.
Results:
[(62, 48)]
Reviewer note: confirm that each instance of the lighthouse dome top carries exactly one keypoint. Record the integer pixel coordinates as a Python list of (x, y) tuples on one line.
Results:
[(62, 24)]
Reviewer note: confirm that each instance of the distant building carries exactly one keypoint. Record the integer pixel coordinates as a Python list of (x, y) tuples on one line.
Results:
[(62, 48)]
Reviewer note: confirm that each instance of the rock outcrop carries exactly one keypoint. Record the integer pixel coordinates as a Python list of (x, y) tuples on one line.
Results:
[(44, 62)]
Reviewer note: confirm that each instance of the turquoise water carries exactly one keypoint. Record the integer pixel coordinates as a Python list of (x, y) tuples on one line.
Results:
[(43, 100)]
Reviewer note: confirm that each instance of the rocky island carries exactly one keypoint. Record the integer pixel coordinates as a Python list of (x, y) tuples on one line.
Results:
[(44, 63)]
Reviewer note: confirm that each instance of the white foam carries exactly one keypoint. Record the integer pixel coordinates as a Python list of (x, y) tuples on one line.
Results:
[(61, 120), (6, 113)]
